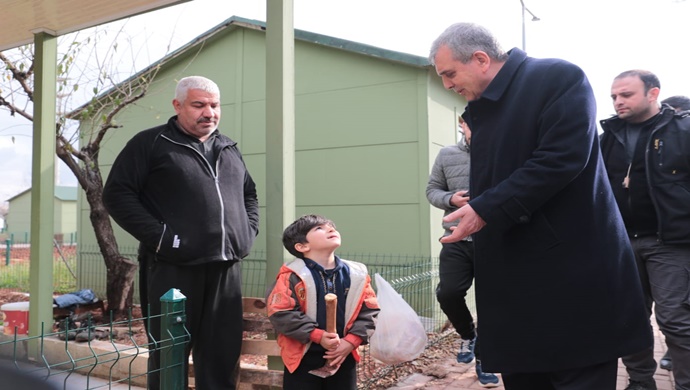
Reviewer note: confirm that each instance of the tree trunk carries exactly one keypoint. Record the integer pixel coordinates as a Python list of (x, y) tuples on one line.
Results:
[(120, 270)]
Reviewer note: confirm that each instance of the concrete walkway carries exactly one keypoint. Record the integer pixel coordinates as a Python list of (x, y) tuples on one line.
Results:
[(462, 376)]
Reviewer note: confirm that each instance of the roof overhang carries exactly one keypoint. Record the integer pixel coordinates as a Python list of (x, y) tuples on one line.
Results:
[(24, 18)]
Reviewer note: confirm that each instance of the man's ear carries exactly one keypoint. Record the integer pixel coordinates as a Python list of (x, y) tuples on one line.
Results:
[(302, 247), (653, 93), (176, 105), (483, 59)]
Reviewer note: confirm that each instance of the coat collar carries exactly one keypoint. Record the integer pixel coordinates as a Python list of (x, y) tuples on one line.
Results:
[(500, 83), (614, 124)]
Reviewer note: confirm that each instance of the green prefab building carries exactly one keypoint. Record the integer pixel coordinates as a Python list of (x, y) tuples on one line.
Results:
[(18, 220), (369, 123)]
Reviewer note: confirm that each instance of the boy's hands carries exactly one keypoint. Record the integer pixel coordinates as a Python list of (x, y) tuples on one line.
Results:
[(330, 341), (336, 357), (460, 198)]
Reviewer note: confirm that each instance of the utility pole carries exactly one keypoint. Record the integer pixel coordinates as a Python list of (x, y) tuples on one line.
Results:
[(534, 19)]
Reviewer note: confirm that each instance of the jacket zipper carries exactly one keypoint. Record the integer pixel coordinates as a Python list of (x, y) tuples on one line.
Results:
[(649, 180), (160, 240), (215, 181)]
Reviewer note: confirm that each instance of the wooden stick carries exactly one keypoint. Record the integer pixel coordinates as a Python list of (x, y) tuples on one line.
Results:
[(331, 318), (331, 312)]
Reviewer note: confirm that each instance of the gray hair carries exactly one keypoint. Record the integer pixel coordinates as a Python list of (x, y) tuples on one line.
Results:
[(195, 82), (464, 39)]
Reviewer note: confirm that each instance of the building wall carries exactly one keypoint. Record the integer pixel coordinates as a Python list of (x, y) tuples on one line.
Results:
[(66, 218), (444, 109), (19, 217), (363, 139)]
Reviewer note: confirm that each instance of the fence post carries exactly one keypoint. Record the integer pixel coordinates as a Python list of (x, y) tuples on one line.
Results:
[(7, 251), (174, 338)]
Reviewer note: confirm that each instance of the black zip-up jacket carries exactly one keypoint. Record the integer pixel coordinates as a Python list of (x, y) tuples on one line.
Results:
[(187, 211), (667, 167)]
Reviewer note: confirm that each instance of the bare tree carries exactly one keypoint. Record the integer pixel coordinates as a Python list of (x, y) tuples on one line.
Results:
[(89, 68)]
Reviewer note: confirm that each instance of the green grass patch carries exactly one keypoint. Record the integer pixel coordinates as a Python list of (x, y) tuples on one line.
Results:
[(16, 276)]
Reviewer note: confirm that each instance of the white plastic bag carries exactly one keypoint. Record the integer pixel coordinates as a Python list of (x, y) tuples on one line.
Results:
[(399, 335)]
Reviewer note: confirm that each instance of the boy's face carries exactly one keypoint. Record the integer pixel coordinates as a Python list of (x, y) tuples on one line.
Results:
[(320, 238)]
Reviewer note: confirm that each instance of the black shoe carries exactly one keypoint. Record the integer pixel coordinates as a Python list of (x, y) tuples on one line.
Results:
[(69, 335), (666, 363), (67, 329), (639, 385)]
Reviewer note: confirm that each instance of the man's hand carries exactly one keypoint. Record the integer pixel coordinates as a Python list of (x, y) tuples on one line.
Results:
[(470, 222), (460, 198)]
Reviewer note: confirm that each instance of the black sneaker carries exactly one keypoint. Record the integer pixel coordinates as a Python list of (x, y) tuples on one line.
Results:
[(666, 363), (640, 385)]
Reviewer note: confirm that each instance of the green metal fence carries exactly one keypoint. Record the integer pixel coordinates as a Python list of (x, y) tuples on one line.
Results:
[(414, 277), (14, 268), (104, 358), (25, 237)]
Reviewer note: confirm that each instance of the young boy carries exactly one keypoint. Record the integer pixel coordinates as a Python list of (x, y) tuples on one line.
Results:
[(297, 309)]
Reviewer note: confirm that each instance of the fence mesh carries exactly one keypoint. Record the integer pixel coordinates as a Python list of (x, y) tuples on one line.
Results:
[(15, 261), (414, 277)]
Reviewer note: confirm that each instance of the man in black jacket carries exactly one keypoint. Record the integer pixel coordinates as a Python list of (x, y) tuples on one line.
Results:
[(182, 190), (679, 103), (646, 149)]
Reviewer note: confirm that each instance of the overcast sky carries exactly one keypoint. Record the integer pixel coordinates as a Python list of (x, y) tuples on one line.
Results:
[(603, 37)]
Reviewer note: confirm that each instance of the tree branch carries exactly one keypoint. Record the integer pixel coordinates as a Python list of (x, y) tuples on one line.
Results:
[(14, 109), (20, 76)]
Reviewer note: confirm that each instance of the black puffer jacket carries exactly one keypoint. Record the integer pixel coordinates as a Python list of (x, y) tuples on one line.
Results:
[(166, 194), (667, 164)]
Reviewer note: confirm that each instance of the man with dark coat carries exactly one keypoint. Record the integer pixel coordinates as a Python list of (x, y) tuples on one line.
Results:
[(558, 297)]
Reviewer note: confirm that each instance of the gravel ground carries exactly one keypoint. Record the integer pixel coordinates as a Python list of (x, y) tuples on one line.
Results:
[(430, 363)]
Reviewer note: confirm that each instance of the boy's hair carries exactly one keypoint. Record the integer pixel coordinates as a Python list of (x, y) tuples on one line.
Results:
[(296, 233)]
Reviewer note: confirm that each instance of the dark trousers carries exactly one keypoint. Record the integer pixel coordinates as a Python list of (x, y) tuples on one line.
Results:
[(600, 377), (641, 366), (456, 273), (214, 318), (665, 276), (343, 379)]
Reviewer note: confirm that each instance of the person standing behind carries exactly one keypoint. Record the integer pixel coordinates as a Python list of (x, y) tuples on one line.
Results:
[(182, 190), (558, 296), (646, 149), (679, 103), (447, 189), (297, 310)]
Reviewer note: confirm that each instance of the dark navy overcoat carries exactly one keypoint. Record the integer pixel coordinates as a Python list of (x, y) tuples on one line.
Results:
[(555, 277)]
